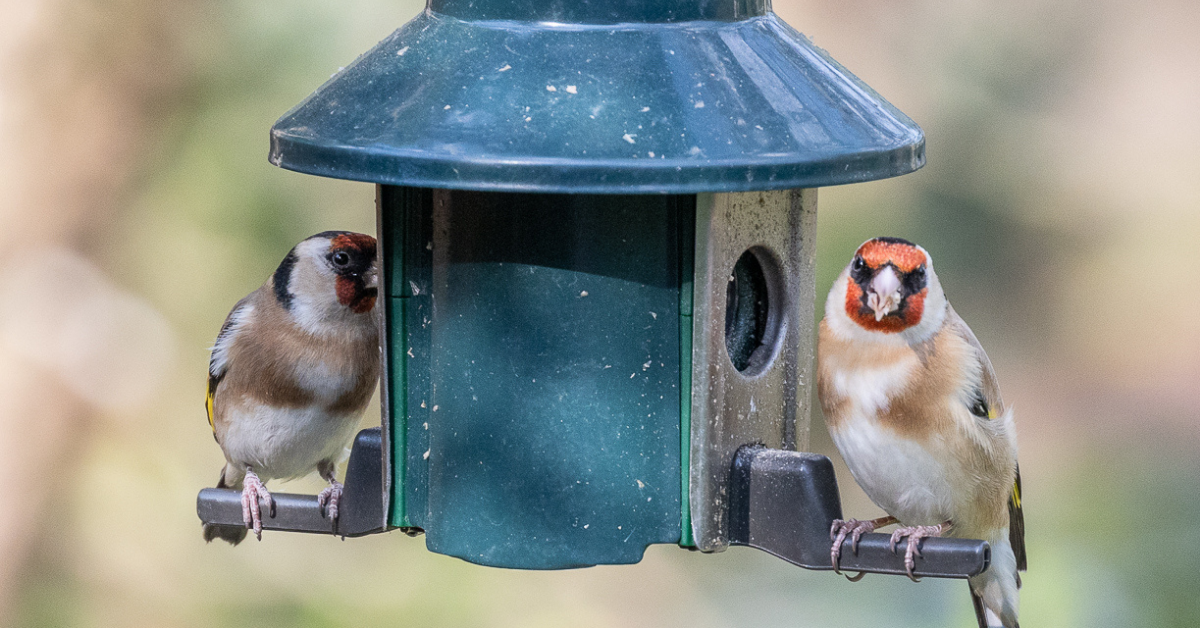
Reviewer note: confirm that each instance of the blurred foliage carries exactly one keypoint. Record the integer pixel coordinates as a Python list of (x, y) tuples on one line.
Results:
[(976, 205), (1137, 562)]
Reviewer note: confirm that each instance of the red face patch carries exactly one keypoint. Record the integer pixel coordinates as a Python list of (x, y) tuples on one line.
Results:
[(350, 292), (904, 256), (357, 241), (364, 303), (351, 255), (896, 322), (876, 254)]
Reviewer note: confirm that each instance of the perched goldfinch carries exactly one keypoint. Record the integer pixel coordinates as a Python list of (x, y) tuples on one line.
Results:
[(292, 370), (912, 403)]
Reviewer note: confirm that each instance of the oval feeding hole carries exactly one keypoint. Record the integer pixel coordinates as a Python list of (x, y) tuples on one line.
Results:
[(747, 310)]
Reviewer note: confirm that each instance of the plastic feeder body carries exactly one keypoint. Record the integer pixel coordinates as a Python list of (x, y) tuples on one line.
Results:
[(597, 232)]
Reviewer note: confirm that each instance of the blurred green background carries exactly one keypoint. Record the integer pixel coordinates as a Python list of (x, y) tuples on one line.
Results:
[(136, 204)]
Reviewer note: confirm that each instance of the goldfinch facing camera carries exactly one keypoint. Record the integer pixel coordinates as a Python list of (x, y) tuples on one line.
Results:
[(292, 370), (912, 403)]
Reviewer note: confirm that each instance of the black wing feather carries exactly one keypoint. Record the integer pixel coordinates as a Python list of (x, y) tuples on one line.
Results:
[(1016, 523), (980, 615), (214, 375)]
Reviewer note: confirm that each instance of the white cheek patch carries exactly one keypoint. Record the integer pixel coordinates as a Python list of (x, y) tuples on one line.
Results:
[(315, 307), (934, 316)]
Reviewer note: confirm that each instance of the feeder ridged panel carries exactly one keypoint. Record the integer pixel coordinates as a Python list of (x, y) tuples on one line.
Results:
[(542, 415)]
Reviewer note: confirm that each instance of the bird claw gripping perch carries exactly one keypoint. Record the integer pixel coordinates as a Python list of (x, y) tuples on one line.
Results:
[(252, 490), (915, 534), (785, 502), (855, 528), (327, 500), (361, 505)]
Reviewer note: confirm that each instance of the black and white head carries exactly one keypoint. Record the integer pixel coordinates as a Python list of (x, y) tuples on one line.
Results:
[(328, 281)]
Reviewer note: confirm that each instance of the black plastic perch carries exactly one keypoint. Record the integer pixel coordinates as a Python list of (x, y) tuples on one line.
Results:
[(784, 502), (362, 509)]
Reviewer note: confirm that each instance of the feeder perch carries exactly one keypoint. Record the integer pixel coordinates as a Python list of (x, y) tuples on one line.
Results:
[(597, 225)]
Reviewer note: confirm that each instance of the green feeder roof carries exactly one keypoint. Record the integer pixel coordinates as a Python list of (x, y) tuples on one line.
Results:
[(606, 96)]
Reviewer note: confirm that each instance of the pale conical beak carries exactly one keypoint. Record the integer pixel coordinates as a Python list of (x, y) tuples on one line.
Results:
[(884, 294), (371, 277)]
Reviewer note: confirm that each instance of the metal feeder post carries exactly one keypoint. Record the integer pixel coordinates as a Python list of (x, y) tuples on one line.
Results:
[(597, 227)]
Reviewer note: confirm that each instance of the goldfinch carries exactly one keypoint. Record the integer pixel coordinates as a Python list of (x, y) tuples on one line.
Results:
[(912, 403), (292, 370)]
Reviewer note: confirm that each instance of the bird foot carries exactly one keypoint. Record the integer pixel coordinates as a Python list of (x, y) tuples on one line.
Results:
[(329, 498), (855, 528), (913, 550), (252, 490)]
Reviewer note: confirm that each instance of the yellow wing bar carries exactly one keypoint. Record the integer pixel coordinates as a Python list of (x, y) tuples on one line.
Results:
[(208, 402)]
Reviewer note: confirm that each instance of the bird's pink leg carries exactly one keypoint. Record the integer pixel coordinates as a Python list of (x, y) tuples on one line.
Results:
[(855, 529), (915, 534), (253, 489), (328, 499)]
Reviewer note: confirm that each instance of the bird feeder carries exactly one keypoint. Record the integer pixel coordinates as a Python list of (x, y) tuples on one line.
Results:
[(597, 225)]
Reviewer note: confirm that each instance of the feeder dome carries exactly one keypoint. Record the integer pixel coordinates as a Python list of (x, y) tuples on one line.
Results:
[(616, 96)]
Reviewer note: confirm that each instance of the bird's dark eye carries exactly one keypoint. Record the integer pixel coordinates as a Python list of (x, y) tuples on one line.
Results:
[(859, 265), (340, 258), (915, 280)]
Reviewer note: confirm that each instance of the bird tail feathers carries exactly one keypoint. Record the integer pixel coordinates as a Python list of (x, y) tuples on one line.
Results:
[(230, 534), (994, 593), (985, 617)]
